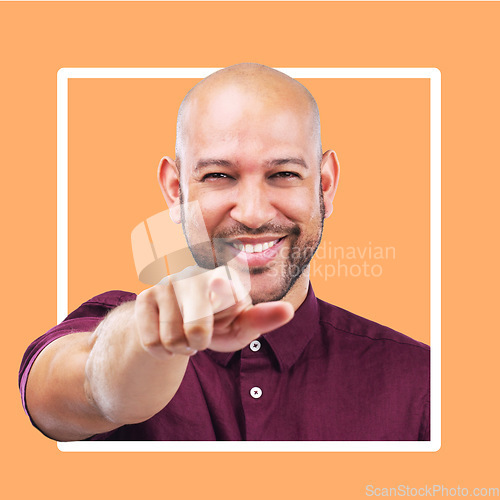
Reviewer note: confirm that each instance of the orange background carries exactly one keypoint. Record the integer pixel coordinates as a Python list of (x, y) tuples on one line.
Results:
[(119, 129), (458, 38)]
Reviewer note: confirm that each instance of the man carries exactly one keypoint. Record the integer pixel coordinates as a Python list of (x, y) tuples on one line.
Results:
[(243, 351)]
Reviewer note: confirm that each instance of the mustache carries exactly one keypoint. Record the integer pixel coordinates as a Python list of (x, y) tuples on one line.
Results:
[(270, 228)]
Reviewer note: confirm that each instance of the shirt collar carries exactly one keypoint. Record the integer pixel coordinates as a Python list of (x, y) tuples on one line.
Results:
[(289, 341)]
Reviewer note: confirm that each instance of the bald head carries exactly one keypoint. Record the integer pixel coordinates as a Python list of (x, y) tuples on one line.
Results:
[(253, 88)]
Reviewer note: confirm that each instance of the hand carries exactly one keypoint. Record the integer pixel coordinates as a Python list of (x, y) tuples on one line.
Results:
[(198, 309)]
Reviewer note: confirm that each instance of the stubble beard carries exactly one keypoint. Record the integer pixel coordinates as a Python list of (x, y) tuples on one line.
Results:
[(299, 254)]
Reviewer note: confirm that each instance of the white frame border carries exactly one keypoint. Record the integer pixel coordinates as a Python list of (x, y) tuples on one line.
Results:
[(434, 75)]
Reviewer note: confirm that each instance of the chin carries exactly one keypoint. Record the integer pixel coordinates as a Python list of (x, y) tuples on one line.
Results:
[(260, 298), (272, 288), (265, 294)]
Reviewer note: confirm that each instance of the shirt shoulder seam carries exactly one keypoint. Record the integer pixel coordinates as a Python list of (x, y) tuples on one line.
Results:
[(424, 348)]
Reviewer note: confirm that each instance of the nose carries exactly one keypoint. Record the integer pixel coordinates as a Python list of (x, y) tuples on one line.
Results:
[(253, 206)]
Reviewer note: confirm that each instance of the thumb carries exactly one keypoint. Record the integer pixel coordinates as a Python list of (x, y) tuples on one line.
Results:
[(251, 323), (263, 318)]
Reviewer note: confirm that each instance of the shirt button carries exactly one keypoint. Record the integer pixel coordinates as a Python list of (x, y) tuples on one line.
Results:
[(255, 346), (256, 392)]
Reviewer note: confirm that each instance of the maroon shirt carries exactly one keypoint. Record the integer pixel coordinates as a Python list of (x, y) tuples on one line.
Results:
[(327, 375)]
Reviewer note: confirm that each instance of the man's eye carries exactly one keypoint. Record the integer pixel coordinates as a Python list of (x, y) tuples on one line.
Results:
[(286, 175), (215, 175)]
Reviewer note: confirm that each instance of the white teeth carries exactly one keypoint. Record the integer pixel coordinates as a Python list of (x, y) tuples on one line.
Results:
[(258, 248)]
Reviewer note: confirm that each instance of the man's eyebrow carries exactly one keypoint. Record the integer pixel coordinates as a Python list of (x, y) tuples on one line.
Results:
[(209, 162), (285, 161)]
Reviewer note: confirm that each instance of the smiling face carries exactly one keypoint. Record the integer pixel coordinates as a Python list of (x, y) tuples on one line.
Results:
[(251, 160)]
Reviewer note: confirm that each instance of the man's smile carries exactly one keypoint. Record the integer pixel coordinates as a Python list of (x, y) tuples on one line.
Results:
[(255, 245), (256, 251)]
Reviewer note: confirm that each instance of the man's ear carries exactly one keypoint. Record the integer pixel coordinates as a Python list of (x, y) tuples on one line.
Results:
[(169, 179), (330, 171)]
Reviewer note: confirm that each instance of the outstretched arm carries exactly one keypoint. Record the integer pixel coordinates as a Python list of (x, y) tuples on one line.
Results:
[(131, 366)]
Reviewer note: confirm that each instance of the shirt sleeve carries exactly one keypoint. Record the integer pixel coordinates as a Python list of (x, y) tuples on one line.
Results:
[(83, 319)]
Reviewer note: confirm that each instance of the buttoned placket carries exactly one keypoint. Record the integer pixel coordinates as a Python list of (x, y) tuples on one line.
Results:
[(257, 386)]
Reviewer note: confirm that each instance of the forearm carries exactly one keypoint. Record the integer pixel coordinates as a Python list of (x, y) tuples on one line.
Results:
[(55, 393), (124, 380), (88, 383)]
